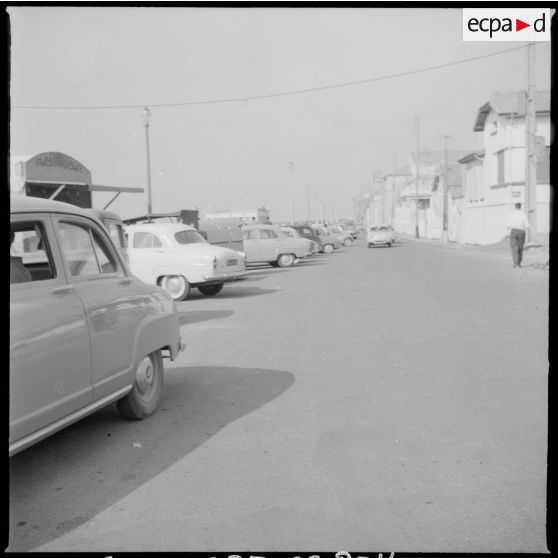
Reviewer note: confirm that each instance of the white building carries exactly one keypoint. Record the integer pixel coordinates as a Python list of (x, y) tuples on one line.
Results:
[(494, 179), (260, 215)]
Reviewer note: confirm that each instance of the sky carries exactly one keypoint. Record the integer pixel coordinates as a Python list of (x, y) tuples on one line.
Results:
[(88, 71)]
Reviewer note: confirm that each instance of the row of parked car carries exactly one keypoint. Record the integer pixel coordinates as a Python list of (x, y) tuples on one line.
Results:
[(93, 305)]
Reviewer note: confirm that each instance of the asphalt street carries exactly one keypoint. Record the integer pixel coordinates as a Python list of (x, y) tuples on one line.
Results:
[(370, 400)]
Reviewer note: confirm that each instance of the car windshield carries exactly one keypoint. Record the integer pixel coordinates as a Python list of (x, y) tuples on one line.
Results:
[(189, 237), (375, 229)]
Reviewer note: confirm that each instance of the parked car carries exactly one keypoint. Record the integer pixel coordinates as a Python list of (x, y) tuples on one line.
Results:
[(380, 235), (349, 229), (329, 242), (293, 233), (84, 332), (306, 231), (345, 237), (268, 244), (178, 258)]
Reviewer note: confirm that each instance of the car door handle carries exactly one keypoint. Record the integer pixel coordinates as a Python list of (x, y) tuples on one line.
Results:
[(125, 282), (62, 290)]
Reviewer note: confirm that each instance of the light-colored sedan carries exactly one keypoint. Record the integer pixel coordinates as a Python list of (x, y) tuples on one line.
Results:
[(345, 237), (329, 242), (269, 244), (380, 235), (177, 257), (84, 332)]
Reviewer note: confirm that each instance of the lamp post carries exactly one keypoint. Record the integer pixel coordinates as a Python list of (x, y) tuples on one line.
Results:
[(417, 180), (146, 113), (291, 166)]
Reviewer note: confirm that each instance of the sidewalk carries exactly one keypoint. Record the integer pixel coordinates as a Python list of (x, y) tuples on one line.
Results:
[(535, 255)]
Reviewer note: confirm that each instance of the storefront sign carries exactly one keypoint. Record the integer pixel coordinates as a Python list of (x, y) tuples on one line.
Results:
[(56, 167)]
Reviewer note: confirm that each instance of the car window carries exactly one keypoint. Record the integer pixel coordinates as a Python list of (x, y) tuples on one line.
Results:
[(146, 240), (268, 233), (307, 231), (249, 234), (116, 232), (85, 252), (30, 253), (189, 237)]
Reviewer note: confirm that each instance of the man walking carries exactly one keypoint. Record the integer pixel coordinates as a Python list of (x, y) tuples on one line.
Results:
[(517, 225)]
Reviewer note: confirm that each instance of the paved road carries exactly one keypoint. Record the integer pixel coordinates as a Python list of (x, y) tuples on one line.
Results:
[(369, 400)]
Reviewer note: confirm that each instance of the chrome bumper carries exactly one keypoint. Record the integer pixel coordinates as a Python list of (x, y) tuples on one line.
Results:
[(225, 276)]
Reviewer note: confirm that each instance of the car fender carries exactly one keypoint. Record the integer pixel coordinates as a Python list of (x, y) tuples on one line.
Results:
[(158, 331)]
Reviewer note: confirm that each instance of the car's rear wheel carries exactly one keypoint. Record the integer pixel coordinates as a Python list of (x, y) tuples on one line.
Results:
[(348, 241), (211, 290), (144, 397), (286, 260), (328, 248), (177, 286)]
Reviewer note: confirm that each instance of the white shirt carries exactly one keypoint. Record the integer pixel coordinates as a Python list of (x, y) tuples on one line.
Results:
[(518, 220)]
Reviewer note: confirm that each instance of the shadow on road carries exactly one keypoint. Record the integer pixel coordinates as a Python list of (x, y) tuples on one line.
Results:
[(232, 291), (186, 318), (69, 478)]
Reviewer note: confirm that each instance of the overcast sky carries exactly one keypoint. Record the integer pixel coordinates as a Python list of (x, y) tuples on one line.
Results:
[(236, 154)]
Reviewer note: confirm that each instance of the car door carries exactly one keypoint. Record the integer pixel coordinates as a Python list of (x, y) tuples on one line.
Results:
[(114, 301), (251, 244), (146, 254), (270, 244), (50, 365)]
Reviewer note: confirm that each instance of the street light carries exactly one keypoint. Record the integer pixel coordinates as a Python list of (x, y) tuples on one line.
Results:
[(146, 113)]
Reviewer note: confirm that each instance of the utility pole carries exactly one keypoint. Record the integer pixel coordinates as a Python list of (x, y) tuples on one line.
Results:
[(417, 179), (445, 193), (291, 165), (530, 147)]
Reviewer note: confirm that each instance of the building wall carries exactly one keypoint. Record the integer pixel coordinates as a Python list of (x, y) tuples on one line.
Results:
[(491, 189)]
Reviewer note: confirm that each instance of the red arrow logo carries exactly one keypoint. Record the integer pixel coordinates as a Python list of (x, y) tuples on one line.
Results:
[(519, 25)]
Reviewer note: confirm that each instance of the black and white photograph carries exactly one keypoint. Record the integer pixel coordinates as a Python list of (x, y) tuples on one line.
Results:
[(279, 278)]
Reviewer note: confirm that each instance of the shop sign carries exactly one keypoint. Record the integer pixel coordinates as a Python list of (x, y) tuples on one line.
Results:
[(56, 167)]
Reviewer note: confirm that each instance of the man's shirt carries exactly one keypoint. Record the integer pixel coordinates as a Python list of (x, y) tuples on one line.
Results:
[(518, 220)]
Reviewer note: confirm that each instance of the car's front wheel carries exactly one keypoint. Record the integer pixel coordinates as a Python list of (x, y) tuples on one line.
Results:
[(211, 290), (328, 248), (177, 286), (144, 397), (286, 260)]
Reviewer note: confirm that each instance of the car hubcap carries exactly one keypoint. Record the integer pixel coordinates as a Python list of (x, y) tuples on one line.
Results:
[(145, 375), (174, 285)]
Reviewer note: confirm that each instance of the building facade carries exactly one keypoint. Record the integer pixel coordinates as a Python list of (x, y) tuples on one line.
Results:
[(494, 178)]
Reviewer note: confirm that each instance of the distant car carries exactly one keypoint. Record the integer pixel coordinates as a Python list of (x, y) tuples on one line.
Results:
[(178, 258), (306, 231), (329, 242), (293, 233), (349, 229), (345, 237), (84, 332), (269, 244), (380, 235)]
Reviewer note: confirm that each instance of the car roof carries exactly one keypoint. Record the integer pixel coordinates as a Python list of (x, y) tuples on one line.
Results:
[(105, 214), (26, 204), (170, 228)]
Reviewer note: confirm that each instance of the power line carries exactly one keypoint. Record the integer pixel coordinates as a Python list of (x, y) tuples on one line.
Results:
[(279, 94)]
